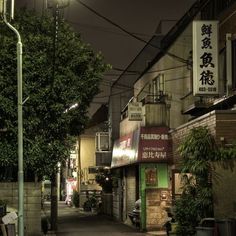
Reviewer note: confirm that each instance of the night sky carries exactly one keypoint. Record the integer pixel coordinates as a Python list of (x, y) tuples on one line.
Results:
[(140, 17)]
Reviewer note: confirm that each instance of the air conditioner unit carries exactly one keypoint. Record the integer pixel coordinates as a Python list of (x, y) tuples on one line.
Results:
[(102, 141)]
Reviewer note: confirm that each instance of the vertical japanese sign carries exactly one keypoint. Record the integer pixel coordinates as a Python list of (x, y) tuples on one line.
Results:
[(205, 57)]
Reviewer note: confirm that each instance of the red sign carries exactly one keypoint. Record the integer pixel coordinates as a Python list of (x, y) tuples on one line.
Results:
[(154, 144)]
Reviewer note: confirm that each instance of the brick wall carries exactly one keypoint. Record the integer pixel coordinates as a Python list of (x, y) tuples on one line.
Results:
[(182, 131), (222, 125), (32, 204)]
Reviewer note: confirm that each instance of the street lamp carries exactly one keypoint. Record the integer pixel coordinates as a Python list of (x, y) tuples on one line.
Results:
[(3, 4), (56, 6)]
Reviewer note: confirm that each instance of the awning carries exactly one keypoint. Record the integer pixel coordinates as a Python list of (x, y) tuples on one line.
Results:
[(146, 144)]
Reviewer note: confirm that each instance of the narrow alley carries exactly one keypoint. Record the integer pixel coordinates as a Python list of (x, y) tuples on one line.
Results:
[(74, 222)]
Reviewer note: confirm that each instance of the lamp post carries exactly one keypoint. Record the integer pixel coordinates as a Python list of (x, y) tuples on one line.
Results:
[(56, 6), (20, 121)]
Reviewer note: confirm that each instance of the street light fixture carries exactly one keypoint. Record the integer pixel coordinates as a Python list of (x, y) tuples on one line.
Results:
[(3, 9)]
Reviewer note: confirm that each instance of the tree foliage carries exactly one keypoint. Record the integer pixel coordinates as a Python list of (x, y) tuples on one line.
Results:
[(197, 151), (53, 81), (106, 180)]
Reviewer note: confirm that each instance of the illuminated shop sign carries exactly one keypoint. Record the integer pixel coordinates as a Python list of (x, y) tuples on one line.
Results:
[(147, 144), (154, 144), (125, 150), (205, 57)]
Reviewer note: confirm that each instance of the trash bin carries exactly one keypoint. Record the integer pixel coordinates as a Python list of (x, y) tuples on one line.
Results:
[(227, 227), (206, 227), (204, 231)]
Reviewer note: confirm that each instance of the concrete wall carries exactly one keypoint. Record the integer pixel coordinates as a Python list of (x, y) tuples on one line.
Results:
[(224, 181), (129, 190), (87, 157), (155, 115), (117, 193), (32, 204), (107, 201), (177, 78), (116, 207)]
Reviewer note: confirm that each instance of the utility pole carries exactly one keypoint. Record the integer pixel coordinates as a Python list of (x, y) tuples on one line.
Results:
[(56, 6), (3, 9)]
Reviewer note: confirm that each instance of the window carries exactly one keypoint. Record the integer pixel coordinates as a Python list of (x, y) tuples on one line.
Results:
[(102, 141)]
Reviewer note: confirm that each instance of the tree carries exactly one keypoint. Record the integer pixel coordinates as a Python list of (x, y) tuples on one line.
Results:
[(54, 81), (197, 151)]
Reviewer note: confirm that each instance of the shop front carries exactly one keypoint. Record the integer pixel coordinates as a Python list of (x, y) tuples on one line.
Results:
[(142, 158)]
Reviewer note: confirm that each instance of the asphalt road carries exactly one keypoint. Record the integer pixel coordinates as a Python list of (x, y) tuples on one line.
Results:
[(73, 222), (76, 222)]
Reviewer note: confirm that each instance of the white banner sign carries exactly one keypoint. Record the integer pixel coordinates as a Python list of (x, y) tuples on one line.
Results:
[(135, 111), (205, 57)]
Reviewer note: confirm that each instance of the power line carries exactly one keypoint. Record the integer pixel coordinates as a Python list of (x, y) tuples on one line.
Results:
[(131, 34), (105, 29), (147, 92), (133, 72), (128, 88), (120, 86)]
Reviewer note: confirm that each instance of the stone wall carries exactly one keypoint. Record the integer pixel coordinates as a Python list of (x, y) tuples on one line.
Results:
[(32, 204), (156, 210)]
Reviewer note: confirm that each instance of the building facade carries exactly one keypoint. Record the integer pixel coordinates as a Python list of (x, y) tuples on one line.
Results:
[(174, 97)]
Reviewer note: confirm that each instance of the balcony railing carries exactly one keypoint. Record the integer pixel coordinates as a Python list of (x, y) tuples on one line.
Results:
[(150, 99)]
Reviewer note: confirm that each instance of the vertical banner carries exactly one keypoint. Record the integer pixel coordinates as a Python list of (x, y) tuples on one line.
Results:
[(205, 58)]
